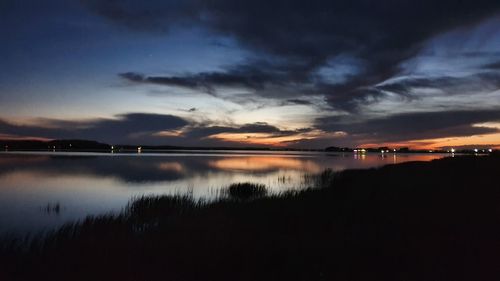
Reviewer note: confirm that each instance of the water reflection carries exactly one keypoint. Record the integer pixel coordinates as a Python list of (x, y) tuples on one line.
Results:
[(43, 190), (265, 164)]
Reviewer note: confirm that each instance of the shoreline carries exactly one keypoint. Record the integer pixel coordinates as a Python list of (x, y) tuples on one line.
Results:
[(228, 152)]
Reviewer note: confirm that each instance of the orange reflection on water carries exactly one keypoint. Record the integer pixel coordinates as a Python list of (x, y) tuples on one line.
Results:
[(262, 163), (171, 166), (358, 156), (398, 158)]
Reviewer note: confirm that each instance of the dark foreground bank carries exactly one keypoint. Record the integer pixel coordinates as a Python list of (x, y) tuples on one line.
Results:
[(438, 220)]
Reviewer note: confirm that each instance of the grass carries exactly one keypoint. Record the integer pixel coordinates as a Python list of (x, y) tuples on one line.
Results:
[(52, 208), (438, 220), (246, 191)]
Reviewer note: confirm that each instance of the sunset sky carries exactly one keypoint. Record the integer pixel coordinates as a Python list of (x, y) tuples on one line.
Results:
[(305, 74)]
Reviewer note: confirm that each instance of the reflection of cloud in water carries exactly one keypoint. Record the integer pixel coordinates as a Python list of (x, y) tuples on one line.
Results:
[(264, 163), (99, 183), (137, 169), (154, 169), (124, 168)]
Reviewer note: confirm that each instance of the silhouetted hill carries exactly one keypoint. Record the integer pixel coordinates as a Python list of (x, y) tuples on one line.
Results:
[(54, 144)]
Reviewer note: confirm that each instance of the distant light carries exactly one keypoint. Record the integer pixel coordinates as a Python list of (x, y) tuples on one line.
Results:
[(112, 147), (430, 151), (490, 150), (363, 150), (382, 151), (394, 150), (355, 150), (139, 149), (475, 150), (452, 150)]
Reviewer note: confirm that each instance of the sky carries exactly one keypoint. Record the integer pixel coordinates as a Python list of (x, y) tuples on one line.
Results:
[(302, 74)]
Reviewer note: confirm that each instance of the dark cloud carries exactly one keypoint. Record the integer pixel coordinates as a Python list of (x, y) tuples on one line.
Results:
[(411, 126), (129, 128), (256, 75), (135, 125), (259, 127), (200, 132), (168, 81), (495, 65), (299, 102), (303, 37), (7, 129), (138, 128), (208, 81)]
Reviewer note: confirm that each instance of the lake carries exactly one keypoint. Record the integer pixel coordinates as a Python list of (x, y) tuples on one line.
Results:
[(43, 190)]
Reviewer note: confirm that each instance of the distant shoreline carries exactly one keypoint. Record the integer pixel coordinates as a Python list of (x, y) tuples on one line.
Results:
[(214, 152), (69, 145)]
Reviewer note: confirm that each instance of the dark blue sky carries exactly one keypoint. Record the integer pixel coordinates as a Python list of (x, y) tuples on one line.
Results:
[(290, 73)]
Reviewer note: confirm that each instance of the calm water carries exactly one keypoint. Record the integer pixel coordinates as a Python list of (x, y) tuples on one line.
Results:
[(84, 184)]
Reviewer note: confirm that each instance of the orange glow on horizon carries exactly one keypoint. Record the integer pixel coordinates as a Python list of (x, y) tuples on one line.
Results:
[(257, 138), (267, 139), (482, 141), (491, 141), (6, 137)]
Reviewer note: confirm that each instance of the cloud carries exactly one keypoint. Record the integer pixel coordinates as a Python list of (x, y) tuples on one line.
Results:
[(202, 131), (495, 65), (129, 128), (293, 40), (413, 126), (476, 83), (299, 102), (351, 55), (139, 128), (243, 77)]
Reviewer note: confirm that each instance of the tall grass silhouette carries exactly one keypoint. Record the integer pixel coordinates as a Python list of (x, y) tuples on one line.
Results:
[(246, 191)]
